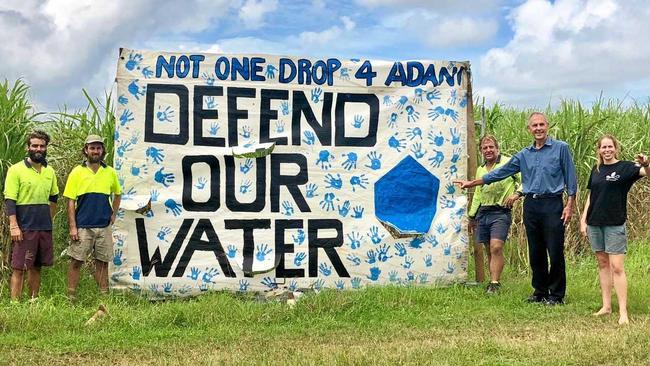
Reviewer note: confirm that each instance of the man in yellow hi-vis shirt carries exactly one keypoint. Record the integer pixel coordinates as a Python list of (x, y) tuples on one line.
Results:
[(90, 213), (490, 213), (30, 194)]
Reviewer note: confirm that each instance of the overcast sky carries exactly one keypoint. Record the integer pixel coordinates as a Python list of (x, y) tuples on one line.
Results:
[(522, 53)]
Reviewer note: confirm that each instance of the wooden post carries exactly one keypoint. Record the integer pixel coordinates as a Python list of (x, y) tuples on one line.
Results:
[(472, 164)]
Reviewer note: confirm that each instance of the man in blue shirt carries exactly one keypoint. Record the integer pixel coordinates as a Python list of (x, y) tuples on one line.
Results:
[(547, 171)]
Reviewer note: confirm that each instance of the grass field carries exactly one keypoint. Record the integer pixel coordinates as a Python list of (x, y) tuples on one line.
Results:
[(390, 325)]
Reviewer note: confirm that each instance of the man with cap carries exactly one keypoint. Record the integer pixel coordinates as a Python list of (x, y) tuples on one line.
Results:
[(91, 212), (30, 194)]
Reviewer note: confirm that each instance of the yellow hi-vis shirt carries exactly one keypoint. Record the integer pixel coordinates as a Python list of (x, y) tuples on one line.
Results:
[(33, 191), (92, 191), (493, 194)]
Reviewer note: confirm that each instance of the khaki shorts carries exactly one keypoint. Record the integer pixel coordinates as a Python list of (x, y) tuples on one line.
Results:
[(95, 241)]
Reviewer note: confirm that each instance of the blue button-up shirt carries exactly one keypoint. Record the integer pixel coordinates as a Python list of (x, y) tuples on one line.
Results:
[(548, 170)]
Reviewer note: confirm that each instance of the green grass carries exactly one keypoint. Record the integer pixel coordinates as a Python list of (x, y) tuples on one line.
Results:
[(389, 325)]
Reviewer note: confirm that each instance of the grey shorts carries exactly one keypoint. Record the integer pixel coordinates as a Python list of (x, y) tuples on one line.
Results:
[(608, 239), (95, 241), (493, 225)]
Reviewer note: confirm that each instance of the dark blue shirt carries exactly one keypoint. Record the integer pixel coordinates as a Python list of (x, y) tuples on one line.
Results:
[(548, 170)]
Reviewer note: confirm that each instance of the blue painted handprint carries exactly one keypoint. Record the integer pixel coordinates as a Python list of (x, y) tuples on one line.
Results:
[(316, 94), (246, 166), (396, 143), (232, 251), (117, 257), (324, 159), (297, 260), (382, 253), (270, 71), (165, 115), (334, 182), (375, 160), (243, 285), (344, 209), (356, 261), (374, 236), (356, 283), (284, 108), (454, 158), (351, 161), (135, 89), (245, 132), (134, 61), (174, 206), (358, 121), (414, 132), (355, 240), (311, 190), (299, 238), (400, 249), (194, 274), (358, 181), (269, 282), (372, 256), (136, 272), (214, 129), (455, 136), (126, 117), (392, 120), (287, 208), (374, 274), (310, 138), (357, 212), (401, 102), (324, 269), (408, 262), (209, 274), (262, 251), (166, 179), (279, 126), (209, 78), (417, 97), (417, 150), (200, 184), (328, 202), (163, 232), (155, 154), (433, 95), (436, 140), (428, 260), (446, 202), (245, 186), (436, 159), (411, 114)]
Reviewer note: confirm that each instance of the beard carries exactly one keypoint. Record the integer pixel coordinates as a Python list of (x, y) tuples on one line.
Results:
[(94, 159), (38, 157)]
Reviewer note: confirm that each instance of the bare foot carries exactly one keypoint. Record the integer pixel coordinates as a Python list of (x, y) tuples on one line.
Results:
[(623, 320), (603, 311)]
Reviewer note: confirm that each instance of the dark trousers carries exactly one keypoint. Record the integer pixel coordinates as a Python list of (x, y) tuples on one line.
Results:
[(545, 232)]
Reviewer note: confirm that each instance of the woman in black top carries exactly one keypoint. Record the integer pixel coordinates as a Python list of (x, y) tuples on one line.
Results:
[(603, 219)]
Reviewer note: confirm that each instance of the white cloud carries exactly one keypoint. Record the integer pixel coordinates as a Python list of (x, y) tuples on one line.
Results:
[(440, 6), (61, 46), (568, 48), (443, 24), (253, 11)]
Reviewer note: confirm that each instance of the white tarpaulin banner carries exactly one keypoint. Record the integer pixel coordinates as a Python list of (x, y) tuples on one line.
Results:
[(248, 172)]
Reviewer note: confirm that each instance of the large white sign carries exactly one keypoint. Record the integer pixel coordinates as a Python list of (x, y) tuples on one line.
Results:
[(248, 172)]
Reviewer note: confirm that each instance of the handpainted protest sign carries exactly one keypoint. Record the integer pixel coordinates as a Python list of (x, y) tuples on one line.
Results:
[(248, 172)]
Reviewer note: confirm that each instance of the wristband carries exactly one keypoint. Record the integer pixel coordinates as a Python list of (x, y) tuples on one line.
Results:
[(647, 164)]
